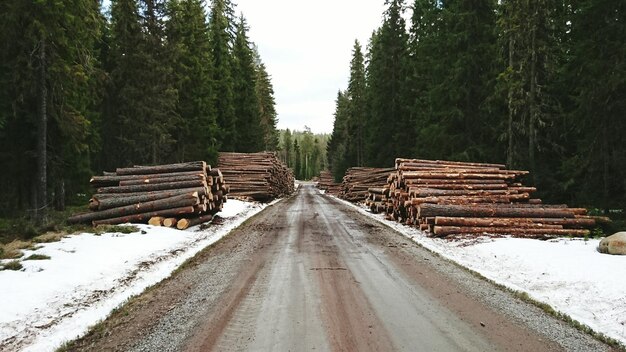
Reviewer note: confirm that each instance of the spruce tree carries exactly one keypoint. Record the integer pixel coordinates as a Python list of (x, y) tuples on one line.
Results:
[(388, 122), (188, 40), (249, 129), (48, 61), (220, 34), (267, 105), (597, 74), (463, 79), (357, 107)]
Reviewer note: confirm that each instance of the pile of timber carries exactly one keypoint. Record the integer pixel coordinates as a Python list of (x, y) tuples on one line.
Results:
[(358, 180), (259, 176), (173, 195), (446, 198), (326, 182)]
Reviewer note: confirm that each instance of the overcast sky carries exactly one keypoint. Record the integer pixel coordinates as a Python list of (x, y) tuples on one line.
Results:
[(307, 47)]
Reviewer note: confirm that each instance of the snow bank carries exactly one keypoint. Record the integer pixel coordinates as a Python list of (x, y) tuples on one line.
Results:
[(568, 274), (53, 301)]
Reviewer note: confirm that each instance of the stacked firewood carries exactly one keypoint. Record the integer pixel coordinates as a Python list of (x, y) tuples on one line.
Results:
[(173, 195), (458, 198), (326, 182), (259, 176), (357, 181)]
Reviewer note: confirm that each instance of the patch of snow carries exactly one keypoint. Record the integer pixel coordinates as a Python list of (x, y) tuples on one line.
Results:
[(53, 301), (568, 274)]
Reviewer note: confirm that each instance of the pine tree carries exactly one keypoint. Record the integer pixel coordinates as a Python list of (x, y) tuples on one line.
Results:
[(221, 35), (188, 39), (250, 137)]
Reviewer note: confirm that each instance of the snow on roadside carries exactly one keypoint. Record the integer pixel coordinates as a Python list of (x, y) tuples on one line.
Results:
[(53, 301), (568, 274)]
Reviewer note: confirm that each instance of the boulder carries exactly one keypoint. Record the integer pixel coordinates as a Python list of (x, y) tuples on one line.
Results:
[(614, 244)]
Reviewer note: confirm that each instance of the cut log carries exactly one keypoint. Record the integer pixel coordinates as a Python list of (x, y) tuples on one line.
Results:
[(166, 203), (156, 221), (426, 210), (169, 168), (153, 187), (442, 231), (115, 200), (143, 217), (456, 175), (111, 179), (170, 222), (512, 222), (152, 180), (185, 223)]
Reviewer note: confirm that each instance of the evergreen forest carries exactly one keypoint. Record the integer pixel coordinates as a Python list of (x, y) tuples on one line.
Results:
[(537, 85), (85, 89)]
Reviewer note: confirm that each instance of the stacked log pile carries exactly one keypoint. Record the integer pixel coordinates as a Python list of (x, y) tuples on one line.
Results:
[(259, 176), (170, 195), (357, 181), (326, 182), (447, 198)]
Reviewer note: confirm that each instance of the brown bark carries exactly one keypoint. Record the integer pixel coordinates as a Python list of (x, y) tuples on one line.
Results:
[(97, 202), (442, 231), (145, 181), (167, 203), (114, 180), (425, 210), (143, 217), (153, 187), (513, 222), (169, 168), (456, 175), (470, 199)]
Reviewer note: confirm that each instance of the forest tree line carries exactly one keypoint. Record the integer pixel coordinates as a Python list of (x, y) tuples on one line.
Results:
[(304, 152), (538, 85), (85, 89)]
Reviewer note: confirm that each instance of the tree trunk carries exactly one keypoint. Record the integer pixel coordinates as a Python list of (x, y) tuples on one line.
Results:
[(532, 96), (428, 210), (144, 217), (513, 222), (185, 223), (42, 140), (510, 146), (442, 231), (199, 166), (153, 187), (119, 200), (167, 203)]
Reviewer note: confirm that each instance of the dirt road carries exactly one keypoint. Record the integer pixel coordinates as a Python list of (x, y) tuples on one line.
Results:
[(311, 273)]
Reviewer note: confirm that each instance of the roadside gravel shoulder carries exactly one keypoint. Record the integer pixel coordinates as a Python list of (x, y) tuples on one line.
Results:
[(162, 317), (462, 283)]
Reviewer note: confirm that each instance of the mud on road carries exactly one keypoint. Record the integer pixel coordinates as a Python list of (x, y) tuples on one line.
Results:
[(311, 273)]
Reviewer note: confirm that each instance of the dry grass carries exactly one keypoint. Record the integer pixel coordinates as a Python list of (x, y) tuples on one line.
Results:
[(52, 236), (14, 249)]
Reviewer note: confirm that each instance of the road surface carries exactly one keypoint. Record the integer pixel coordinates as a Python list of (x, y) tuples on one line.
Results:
[(312, 274)]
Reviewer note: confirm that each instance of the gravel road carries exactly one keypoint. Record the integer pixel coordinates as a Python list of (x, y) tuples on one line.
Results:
[(310, 273)]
